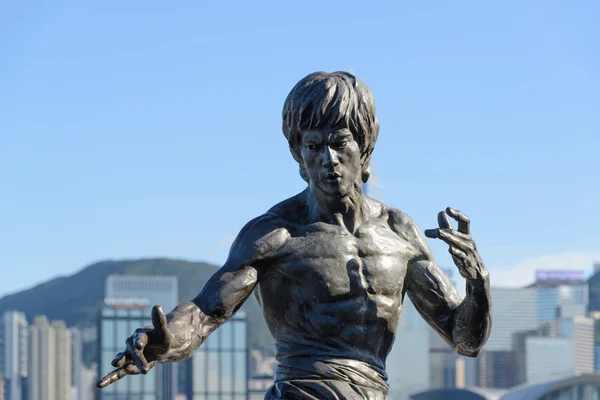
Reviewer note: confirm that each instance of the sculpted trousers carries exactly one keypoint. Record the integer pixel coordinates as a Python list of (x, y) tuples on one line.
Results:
[(321, 390)]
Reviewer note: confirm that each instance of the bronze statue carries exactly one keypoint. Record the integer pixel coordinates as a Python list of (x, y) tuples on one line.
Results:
[(329, 266)]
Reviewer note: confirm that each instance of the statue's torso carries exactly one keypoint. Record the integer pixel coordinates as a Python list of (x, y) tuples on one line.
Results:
[(329, 293)]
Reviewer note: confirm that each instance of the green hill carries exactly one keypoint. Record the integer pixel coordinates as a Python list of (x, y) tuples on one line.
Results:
[(77, 298)]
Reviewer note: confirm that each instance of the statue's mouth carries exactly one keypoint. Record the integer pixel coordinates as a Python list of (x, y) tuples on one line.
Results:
[(333, 177)]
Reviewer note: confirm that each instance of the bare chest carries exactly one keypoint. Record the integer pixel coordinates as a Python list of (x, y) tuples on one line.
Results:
[(332, 264)]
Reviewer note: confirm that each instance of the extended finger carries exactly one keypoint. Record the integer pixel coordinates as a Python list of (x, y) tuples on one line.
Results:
[(137, 355), (464, 222), (443, 221), (159, 321), (111, 377), (452, 239)]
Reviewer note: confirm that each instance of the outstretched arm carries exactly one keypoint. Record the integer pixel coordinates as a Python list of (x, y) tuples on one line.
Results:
[(176, 336), (464, 323)]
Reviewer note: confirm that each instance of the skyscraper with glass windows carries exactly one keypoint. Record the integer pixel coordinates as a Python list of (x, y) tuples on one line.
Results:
[(219, 368), (128, 303)]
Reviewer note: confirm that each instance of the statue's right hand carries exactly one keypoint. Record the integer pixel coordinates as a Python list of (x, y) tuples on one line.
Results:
[(143, 351)]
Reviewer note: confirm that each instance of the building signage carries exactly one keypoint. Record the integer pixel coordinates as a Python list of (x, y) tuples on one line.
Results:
[(127, 302), (557, 275)]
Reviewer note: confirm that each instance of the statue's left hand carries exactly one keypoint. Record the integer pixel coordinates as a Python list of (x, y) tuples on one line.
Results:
[(462, 247)]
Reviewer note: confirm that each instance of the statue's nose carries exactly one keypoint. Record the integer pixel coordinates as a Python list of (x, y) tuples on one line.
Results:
[(330, 158)]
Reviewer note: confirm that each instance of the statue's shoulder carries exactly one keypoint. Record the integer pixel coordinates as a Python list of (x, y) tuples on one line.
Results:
[(402, 224), (380, 210), (262, 236), (291, 211)]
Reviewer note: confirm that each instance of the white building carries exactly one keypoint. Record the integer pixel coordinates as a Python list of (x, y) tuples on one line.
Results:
[(76, 363), (13, 353), (50, 360), (569, 352), (548, 358), (514, 310)]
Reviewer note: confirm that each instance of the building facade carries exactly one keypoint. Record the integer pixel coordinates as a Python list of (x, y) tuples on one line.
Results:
[(13, 354), (128, 303), (218, 370), (76, 364), (49, 360)]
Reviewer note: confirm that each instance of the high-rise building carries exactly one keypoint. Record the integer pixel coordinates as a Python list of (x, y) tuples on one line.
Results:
[(582, 335), (13, 354), (569, 351), (49, 360), (560, 293), (515, 310), (219, 368), (128, 303), (594, 289), (548, 357), (87, 389), (76, 363)]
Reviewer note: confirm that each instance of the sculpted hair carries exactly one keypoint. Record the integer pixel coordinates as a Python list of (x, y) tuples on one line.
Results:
[(331, 100)]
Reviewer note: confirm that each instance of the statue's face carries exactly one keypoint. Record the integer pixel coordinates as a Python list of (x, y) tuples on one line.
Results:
[(332, 160)]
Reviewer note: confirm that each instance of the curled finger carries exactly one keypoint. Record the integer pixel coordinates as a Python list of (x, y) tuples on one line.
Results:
[(443, 221), (464, 222), (140, 338), (120, 359), (137, 355)]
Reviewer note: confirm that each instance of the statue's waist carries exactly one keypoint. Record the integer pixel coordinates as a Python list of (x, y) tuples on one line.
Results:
[(340, 369)]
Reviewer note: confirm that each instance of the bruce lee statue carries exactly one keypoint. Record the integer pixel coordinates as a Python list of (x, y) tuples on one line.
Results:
[(329, 266)]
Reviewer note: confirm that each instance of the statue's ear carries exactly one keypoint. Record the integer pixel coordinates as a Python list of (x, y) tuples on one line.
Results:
[(365, 175), (366, 171)]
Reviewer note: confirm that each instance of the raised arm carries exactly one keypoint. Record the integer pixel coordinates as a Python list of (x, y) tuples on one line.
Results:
[(227, 289), (176, 336), (464, 323)]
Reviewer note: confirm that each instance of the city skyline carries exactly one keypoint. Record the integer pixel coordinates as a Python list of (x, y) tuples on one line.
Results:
[(543, 331)]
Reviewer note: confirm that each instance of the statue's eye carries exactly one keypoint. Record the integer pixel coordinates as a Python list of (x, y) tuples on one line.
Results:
[(312, 147), (340, 145)]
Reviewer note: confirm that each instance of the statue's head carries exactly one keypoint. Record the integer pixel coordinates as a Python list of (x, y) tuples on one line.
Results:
[(323, 103)]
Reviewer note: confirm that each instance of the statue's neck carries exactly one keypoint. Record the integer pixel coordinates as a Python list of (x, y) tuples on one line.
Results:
[(346, 211)]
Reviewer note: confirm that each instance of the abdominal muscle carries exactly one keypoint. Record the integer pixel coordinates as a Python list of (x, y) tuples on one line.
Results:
[(347, 339)]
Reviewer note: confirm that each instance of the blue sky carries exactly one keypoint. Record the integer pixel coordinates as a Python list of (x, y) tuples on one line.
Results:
[(136, 129)]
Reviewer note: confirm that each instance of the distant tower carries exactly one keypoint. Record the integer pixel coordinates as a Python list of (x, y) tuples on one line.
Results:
[(50, 360), (76, 364), (13, 353), (219, 368), (128, 303)]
